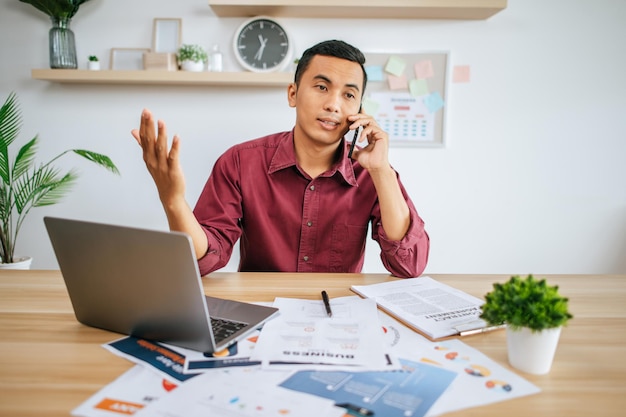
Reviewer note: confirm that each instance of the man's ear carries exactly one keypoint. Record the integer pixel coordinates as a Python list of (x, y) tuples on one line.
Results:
[(292, 92)]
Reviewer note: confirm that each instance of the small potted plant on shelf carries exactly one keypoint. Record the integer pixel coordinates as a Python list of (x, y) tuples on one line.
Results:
[(192, 57), (93, 63), (25, 185), (534, 313)]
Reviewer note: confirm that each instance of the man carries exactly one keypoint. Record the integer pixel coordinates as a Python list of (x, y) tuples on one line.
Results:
[(295, 199)]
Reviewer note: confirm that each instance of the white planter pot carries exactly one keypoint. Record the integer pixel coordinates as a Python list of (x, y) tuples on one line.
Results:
[(93, 65), (22, 262), (193, 66), (532, 352)]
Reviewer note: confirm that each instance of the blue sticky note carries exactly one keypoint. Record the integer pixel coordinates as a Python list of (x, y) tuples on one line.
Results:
[(374, 73), (433, 102)]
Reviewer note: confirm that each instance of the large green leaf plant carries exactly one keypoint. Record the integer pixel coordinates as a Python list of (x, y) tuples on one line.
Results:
[(60, 9), (25, 185)]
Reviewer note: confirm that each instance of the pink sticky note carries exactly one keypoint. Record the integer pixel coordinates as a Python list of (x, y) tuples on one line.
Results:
[(424, 69), (397, 83), (461, 74)]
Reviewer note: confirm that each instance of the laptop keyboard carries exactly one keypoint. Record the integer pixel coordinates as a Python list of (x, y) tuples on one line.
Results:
[(224, 328)]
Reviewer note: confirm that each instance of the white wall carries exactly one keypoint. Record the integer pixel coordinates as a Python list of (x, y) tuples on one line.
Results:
[(532, 180)]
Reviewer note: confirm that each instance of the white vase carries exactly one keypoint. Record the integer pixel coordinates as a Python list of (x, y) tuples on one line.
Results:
[(21, 262), (532, 352), (193, 66), (93, 65)]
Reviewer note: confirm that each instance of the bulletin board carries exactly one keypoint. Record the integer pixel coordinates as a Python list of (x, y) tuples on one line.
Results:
[(407, 95)]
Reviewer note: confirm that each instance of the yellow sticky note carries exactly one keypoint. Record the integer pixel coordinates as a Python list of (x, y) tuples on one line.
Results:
[(418, 87), (395, 66)]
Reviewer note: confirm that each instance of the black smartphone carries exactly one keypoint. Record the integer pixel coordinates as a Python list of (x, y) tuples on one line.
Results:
[(354, 138)]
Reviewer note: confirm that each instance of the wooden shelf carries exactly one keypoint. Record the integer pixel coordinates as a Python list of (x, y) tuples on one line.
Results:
[(362, 9), (243, 79)]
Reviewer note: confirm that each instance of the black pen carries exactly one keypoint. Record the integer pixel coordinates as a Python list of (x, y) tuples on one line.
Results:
[(327, 304), (355, 408)]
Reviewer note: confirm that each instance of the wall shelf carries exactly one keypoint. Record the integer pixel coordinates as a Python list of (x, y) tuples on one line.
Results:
[(243, 79), (362, 9)]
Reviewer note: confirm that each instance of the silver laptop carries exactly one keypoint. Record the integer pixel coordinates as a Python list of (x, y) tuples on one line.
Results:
[(146, 283)]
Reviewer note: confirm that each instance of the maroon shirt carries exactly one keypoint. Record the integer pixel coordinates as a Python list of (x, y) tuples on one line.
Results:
[(289, 222)]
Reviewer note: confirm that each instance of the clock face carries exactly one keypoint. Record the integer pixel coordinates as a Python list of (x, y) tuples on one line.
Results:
[(262, 45)]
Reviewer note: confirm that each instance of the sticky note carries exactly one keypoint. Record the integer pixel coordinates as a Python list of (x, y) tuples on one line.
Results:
[(418, 87), (370, 106), (424, 69), (397, 83), (433, 102), (374, 73), (395, 66), (461, 74)]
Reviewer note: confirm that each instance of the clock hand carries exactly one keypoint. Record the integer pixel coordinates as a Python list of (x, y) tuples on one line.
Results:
[(259, 53)]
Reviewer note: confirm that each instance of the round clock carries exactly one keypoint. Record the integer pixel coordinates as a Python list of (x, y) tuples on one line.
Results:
[(262, 45)]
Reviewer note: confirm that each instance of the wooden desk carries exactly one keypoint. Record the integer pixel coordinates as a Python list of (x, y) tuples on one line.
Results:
[(49, 363)]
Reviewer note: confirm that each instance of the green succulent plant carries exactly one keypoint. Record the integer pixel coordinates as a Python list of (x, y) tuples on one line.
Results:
[(60, 9), (25, 185), (525, 302), (194, 53)]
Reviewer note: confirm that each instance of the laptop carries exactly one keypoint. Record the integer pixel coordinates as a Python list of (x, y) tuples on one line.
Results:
[(146, 284)]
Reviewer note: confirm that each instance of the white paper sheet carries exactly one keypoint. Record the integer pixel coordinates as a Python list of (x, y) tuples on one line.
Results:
[(304, 334)]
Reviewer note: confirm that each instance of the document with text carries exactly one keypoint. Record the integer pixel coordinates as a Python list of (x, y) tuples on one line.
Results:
[(304, 334), (433, 308)]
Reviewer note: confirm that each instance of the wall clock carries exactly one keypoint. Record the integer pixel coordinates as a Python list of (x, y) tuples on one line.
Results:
[(261, 44)]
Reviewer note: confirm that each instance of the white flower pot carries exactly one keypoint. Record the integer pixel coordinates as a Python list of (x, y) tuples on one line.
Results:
[(22, 262), (193, 66), (530, 351), (93, 65)]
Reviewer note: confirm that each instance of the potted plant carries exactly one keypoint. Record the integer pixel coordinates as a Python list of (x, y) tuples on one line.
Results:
[(534, 313), (61, 37), (93, 63), (24, 185), (192, 57)]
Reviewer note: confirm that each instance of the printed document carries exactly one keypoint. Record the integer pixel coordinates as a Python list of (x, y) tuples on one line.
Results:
[(304, 334), (426, 305)]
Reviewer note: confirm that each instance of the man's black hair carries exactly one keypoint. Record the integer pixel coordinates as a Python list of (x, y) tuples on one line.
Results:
[(333, 48)]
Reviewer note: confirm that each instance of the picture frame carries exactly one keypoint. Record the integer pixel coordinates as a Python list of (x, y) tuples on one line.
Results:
[(166, 35), (127, 59)]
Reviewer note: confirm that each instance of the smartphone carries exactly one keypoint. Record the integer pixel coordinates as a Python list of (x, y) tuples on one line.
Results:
[(354, 138)]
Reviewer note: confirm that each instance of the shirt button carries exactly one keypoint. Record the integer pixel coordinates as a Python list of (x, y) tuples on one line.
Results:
[(306, 258), (309, 223), (312, 188)]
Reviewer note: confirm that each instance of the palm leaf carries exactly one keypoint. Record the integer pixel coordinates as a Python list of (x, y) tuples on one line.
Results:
[(44, 187), (24, 159), (55, 191), (10, 122), (99, 159)]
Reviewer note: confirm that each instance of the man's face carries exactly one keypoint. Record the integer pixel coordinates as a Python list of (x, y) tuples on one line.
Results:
[(329, 92)]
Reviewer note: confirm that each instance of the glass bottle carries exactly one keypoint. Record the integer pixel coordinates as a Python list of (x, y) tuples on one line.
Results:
[(62, 45), (215, 59)]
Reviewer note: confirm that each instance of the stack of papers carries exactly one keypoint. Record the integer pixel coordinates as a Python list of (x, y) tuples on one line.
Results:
[(260, 377)]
